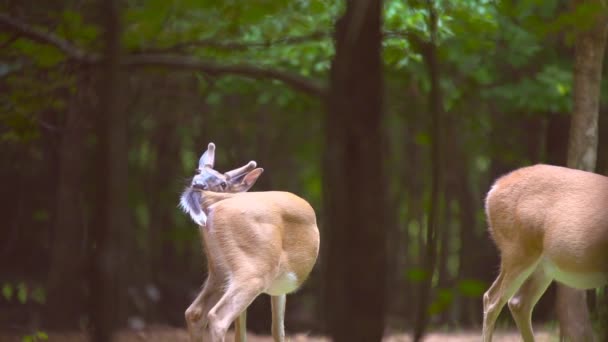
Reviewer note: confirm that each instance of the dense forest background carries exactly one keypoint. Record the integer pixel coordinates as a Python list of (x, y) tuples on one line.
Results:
[(391, 117)]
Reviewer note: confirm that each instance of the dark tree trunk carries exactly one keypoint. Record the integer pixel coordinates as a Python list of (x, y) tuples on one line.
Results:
[(436, 108), (572, 311), (108, 288), (66, 278), (355, 193)]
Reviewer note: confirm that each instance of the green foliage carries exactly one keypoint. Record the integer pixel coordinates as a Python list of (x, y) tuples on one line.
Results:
[(23, 294), (35, 337), (416, 274), (442, 301), (548, 91), (471, 287), (76, 29), (7, 291), (38, 295)]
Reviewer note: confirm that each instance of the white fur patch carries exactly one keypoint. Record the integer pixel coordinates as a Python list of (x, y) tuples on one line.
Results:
[(196, 214), (283, 284), (575, 280)]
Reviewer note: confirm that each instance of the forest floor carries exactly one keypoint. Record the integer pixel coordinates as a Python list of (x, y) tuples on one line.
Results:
[(166, 334)]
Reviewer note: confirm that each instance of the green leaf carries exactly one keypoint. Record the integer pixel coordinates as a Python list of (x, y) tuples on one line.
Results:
[(42, 335), (423, 139), (39, 295), (71, 18), (416, 274), (444, 299), (27, 338), (22, 293), (471, 287), (7, 291), (317, 7), (44, 55)]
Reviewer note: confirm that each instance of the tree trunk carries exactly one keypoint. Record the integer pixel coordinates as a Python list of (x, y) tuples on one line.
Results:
[(436, 108), (108, 288), (66, 278), (571, 304), (355, 182)]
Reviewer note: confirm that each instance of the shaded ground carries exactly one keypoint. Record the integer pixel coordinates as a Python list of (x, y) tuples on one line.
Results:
[(162, 334)]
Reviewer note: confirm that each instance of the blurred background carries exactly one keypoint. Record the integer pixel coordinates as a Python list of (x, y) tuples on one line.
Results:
[(392, 118)]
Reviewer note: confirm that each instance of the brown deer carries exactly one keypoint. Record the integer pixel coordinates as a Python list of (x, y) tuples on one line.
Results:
[(256, 242), (549, 223)]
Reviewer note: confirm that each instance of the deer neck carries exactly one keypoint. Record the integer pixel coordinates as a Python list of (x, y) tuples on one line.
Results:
[(209, 198)]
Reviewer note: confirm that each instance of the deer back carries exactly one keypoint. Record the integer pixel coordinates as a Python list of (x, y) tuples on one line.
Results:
[(556, 211)]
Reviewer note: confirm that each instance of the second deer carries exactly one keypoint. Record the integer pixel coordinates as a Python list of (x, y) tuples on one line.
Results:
[(549, 223)]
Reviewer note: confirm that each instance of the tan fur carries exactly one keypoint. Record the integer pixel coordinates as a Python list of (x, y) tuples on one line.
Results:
[(251, 240), (549, 223)]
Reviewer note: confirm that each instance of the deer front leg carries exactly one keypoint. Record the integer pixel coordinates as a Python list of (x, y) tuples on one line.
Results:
[(278, 317), (240, 327), (196, 314)]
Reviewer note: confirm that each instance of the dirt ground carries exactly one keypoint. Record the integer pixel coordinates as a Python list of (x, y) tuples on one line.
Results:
[(165, 334)]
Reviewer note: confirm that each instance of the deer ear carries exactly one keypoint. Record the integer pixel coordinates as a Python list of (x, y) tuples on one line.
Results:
[(249, 180), (239, 172), (208, 158)]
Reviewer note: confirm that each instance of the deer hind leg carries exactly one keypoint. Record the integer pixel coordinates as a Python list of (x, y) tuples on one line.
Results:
[(240, 327), (235, 300), (196, 314), (510, 279), (278, 317), (523, 302)]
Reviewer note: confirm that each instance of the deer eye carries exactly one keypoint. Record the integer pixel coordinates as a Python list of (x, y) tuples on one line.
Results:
[(223, 185), (197, 171)]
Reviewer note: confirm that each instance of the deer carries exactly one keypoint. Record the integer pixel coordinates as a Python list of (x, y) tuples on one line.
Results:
[(549, 223), (255, 242)]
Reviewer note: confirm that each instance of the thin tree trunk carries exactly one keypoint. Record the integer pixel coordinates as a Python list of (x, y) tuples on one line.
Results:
[(108, 288), (468, 242), (355, 182), (415, 209), (162, 183), (444, 280), (436, 109), (572, 311)]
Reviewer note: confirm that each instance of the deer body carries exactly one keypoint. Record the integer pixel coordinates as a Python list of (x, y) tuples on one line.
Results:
[(549, 223), (258, 242), (274, 233), (255, 242)]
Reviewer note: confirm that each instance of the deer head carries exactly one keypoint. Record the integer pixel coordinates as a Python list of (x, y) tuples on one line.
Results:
[(206, 178)]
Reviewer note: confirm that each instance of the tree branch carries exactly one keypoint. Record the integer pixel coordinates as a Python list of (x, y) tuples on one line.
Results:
[(297, 82), (244, 45), (24, 30), (241, 45)]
